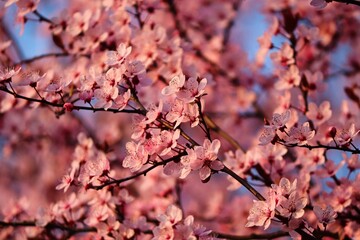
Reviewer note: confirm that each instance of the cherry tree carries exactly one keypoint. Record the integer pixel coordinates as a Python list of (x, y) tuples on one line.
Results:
[(149, 120)]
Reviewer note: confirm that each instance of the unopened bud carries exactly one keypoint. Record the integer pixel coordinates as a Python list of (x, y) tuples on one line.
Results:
[(68, 107), (331, 132)]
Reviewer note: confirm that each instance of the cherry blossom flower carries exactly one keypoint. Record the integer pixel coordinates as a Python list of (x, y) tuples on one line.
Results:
[(340, 197), (163, 233), (122, 100), (285, 56), (293, 206), (79, 22), (139, 127), (66, 182), (345, 136), (315, 82), (207, 158), (105, 96), (199, 231), (279, 120), (97, 166), (136, 158), (330, 168), (154, 112), (175, 85), (300, 135), (177, 112), (349, 111), (7, 73), (168, 141), (118, 56), (271, 154), (31, 79), (136, 71), (172, 216), (353, 162), (97, 215), (56, 85), (320, 114), (325, 216), (268, 135), (289, 78), (186, 161), (261, 214), (287, 187), (192, 88), (108, 228)]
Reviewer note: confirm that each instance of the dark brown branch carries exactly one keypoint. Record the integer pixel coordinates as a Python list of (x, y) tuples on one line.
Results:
[(144, 172), (353, 2), (243, 182), (273, 235), (310, 147), (213, 126), (75, 107), (42, 18), (50, 225)]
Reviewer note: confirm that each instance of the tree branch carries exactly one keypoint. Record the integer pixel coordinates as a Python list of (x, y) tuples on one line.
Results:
[(273, 235)]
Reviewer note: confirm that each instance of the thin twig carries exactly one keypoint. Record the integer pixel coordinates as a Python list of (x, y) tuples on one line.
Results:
[(273, 235)]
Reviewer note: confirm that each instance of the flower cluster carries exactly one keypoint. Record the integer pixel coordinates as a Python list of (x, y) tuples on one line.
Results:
[(142, 119)]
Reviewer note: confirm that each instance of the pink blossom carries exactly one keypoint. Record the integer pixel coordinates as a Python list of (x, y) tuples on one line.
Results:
[(31, 79), (172, 216), (136, 71), (285, 56), (268, 135), (320, 114), (136, 158), (118, 56), (97, 215), (168, 141), (177, 112), (345, 136), (66, 182), (97, 166), (315, 82), (79, 22), (175, 85), (7, 73), (330, 168), (325, 216), (288, 79), (122, 100), (279, 120), (300, 135), (341, 197), (293, 206), (207, 158), (105, 96), (353, 162), (192, 88), (154, 112), (261, 214)]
